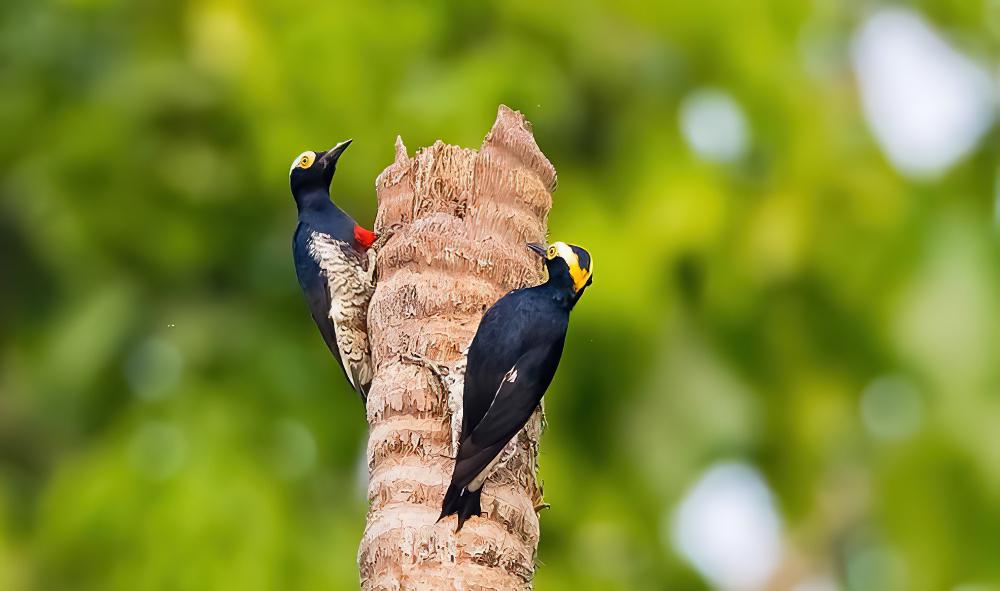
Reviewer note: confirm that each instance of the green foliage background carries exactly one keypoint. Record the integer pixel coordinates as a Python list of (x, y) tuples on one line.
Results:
[(169, 418)]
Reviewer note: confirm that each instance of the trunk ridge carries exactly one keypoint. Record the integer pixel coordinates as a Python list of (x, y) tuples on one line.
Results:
[(461, 219)]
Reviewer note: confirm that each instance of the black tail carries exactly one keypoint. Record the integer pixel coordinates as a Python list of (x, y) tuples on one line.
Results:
[(469, 506), (464, 503), (450, 504)]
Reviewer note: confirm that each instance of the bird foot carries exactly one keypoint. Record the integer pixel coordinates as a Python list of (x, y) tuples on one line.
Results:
[(452, 383), (384, 237), (541, 505), (376, 246), (439, 370)]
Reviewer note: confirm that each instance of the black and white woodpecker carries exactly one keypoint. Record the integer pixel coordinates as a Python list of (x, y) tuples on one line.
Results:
[(334, 265), (511, 362)]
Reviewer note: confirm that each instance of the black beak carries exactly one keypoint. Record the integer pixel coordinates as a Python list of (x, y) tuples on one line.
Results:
[(537, 248), (333, 154)]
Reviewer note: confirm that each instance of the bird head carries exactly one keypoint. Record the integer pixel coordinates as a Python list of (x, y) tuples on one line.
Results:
[(313, 171), (567, 264)]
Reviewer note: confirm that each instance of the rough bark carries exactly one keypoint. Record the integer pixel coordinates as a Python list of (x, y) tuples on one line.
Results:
[(461, 219)]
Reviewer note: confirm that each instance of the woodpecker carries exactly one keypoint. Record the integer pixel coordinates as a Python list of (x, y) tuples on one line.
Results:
[(334, 265), (511, 362)]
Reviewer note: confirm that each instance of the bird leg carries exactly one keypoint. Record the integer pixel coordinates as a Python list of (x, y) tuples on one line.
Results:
[(384, 236), (373, 250), (439, 370), (452, 383)]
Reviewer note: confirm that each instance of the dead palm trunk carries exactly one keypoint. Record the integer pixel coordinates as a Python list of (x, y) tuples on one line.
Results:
[(462, 219)]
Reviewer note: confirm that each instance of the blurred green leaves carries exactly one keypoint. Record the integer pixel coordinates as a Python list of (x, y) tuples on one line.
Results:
[(170, 420)]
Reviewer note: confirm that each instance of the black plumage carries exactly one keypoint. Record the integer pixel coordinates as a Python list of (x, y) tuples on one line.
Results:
[(511, 363), (332, 265)]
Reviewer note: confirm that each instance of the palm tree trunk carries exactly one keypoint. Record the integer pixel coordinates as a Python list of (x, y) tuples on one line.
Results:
[(461, 219)]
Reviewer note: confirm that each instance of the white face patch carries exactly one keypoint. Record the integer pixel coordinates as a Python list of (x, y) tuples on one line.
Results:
[(566, 253)]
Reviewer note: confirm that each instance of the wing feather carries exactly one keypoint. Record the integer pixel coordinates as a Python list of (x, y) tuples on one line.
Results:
[(520, 390), (316, 287)]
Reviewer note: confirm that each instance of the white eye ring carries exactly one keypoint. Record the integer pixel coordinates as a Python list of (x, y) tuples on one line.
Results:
[(553, 251)]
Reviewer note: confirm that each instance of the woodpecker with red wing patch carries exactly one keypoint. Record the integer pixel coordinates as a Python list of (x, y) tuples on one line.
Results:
[(334, 265), (511, 362)]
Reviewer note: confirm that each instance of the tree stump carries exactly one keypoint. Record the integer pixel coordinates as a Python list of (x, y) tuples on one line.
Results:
[(461, 219)]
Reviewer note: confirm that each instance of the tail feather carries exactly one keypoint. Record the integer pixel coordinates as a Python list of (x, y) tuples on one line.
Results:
[(464, 503), (450, 505), (470, 507), (361, 389)]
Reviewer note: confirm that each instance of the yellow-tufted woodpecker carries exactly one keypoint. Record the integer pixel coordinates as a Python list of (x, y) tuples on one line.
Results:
[(511, 362), (333, 265)]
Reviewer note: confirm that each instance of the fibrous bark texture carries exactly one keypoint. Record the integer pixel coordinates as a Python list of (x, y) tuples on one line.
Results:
[(461, 219)]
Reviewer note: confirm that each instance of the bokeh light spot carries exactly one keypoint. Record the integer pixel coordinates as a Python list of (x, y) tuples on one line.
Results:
[(817, 583), (714, 125), (873, 566), (158, 450), (891, 408), (727, 526), (927, 104), (153, 369)]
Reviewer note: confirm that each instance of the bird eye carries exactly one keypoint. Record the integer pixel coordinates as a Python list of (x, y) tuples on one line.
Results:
[(553, 251), (304, 160), (307, 160)]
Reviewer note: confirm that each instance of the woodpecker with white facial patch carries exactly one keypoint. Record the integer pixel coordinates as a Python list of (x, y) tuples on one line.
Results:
[(334, 265), (511, 363)]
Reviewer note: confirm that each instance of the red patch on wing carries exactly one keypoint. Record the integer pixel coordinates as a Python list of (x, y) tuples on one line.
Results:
[(363, 237)]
